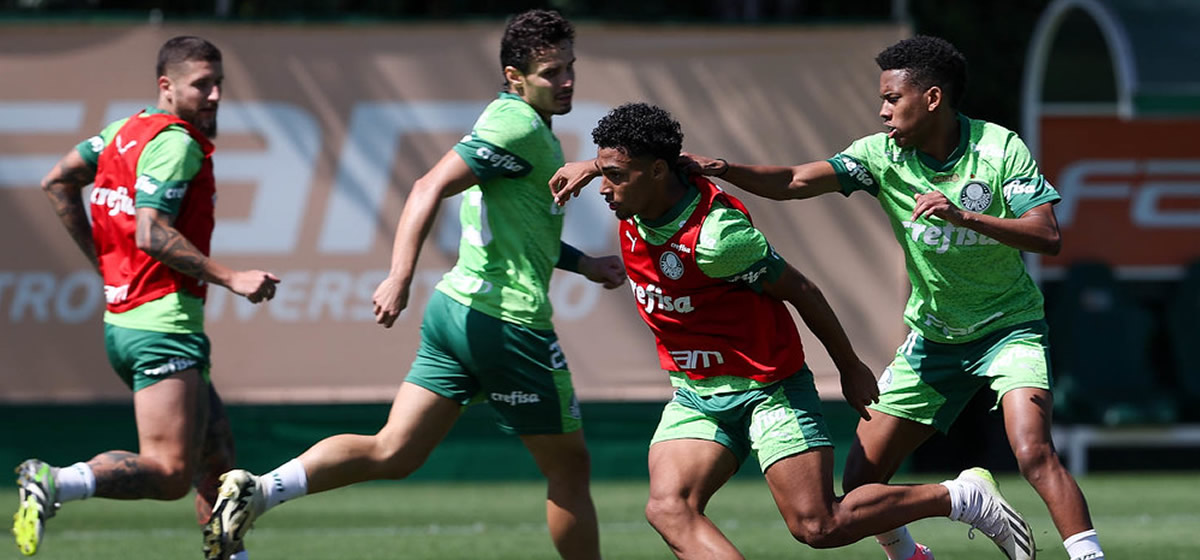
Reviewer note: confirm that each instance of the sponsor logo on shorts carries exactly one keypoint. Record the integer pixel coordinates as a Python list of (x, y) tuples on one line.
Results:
[(173, 365), (885, 379), (516, 398)]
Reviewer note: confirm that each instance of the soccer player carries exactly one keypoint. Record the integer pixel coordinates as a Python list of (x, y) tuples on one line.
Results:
[(712, 290), (152, 220), (964, 198), (486, 332)]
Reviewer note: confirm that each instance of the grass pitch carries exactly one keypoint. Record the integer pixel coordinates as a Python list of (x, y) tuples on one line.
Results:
[(1146, 516)]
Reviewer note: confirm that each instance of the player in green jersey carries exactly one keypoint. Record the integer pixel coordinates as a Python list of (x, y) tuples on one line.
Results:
[(156, 343), (964, 198), (486, 333), (733, 406)]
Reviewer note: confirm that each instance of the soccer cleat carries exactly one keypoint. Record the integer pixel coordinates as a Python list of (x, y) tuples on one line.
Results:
[(239, 502), (36, 503), (922, 553), (996, 519)]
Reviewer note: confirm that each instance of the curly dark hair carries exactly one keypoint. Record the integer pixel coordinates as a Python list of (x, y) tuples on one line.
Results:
[(929, 61), (529, 33), (182, 49), (638, 130)]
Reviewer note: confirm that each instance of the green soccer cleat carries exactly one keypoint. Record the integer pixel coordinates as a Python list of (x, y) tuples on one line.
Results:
[(35, 504), (239, 502), (998, 520)]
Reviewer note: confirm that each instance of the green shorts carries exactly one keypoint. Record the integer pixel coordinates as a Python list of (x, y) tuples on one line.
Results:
[(775, 422), (469, 356), (143, 358), (931, 382)]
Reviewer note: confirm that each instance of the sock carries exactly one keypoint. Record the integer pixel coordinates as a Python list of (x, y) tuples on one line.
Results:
[(965, 502), (1084, 546), (284, 483), (898, 544), (76, 482)]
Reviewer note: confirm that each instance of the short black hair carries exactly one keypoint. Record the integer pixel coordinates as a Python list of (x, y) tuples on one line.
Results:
[(184, 48), (529, 33), (929, 61), (639, 130)]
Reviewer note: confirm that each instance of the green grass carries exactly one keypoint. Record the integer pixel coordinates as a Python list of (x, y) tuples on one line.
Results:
[(1145, 516)]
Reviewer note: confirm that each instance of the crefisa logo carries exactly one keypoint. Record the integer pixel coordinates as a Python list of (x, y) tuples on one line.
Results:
[(671, 265)]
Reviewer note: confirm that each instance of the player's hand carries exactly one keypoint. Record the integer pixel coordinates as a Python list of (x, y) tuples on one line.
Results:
[(255, 285), (859, 387), (391, 297), (936, 204), (691, 163), (571, 178), (608, 270)]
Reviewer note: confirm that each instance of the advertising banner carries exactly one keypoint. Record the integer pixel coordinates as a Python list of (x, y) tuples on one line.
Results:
[(324, 129)]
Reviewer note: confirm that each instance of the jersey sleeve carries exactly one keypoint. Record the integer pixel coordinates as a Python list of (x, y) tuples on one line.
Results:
[(90, 149), (1024, 186), (853, 169), (167, 165), (732, 249), (495, 146)]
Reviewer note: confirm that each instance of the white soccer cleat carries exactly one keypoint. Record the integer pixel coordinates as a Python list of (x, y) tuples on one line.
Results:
[(239, 502), (996, 519)]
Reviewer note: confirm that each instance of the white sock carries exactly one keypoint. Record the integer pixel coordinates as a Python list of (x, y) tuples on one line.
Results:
[(1084, 546), (284, 483), (965, 502), (898, 544), (243, 555), (76, 482)]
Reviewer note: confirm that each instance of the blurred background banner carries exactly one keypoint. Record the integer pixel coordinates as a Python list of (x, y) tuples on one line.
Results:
[(324, 128)]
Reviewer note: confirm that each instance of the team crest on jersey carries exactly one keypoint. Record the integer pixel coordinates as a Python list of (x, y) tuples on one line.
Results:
[(671, 265), (975, 196)]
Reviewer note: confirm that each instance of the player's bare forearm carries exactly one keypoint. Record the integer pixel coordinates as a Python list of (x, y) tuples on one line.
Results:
[(1035, 232), (796, 289), (771, 181), (161, 240), (64, 187)]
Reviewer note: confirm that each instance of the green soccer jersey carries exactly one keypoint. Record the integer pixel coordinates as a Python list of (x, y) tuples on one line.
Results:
[(169, 161), (511, 227), (728, 248), (964, 284)]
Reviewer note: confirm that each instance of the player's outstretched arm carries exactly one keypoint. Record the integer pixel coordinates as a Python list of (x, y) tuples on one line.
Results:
[(571, 178), (608, 270), (448, 177), (768, 181), (858, 383), (64, 187), (1035, 231), (156, 235)]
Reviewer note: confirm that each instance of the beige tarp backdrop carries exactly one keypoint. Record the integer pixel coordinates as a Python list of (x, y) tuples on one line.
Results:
[(324, 129)]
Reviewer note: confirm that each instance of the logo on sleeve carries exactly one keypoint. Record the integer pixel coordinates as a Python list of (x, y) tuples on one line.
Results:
[(976, 196), (671, 265)]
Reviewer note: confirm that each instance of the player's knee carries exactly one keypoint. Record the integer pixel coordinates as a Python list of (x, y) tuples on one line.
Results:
[(858, 471), (1033, 458), (815, 531), (664, 512), (175, 483)]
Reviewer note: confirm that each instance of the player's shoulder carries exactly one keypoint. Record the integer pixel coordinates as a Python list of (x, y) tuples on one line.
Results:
[(993, 140)]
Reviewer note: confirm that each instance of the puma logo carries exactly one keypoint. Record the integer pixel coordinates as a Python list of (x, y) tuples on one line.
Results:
[(126, 147)]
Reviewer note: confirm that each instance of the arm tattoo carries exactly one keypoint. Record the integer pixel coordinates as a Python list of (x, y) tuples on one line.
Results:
[(174, 250), (64, 188)]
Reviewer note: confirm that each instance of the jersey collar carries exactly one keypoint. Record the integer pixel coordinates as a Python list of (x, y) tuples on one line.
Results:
[(678, 208)]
